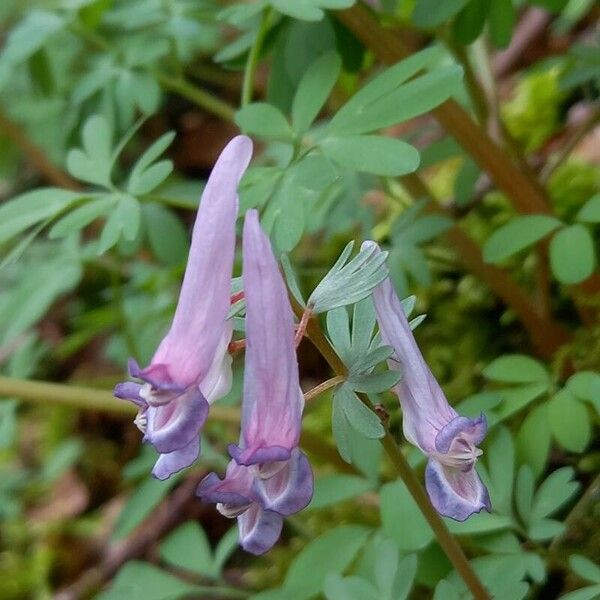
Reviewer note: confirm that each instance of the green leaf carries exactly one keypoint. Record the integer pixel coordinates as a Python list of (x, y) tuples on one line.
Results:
[(335, 488), (569, 421), (30, 208), (585, 568), (479, 523), (82, 216), (375, 383), (445, 591), (501, 20), (431, 13), (348, 282), (225, 548), (8, 422), (306, 10), (518, 397), (533, 440), (313, 90), (405, 575), (154, 151), (545, 529), (123, 222), (350, 588), (389, 99), (590, 211), (464, 185), (188, 548), (587, 593), (359, 416), (572, 255), (524, 493), (386, 566), (516, 368), (518, 234), (30, 35), (586, 385), (401, 518), (331, 552), (500, 459), (143, 182), (264, 120), (36, 289), (93, 163), (144, 499), (167, 236), (555, 491), (62, 458), (372, 154), (340, 429), (470, 21), (140, 581)]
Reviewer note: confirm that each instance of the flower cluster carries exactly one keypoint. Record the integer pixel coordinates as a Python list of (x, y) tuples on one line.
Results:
[(268, 476)]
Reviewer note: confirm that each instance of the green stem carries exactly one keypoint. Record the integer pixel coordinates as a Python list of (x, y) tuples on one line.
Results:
[(198, 96), (84, 398), (253, 56), (445, 538)]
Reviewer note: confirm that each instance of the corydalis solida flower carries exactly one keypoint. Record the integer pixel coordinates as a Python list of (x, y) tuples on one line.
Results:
[(268, 477), (429, 422), (191, 367)]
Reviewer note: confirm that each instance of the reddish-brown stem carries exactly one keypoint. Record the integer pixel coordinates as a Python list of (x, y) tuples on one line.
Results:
[(301, 329), (236, 346), (237, 296)]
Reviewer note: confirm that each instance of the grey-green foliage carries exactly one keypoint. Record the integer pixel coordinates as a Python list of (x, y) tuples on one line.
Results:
[(65, 213), (564, 417), (348, 282), (310, 176), (469, 17), (409, 232), (572, 249)]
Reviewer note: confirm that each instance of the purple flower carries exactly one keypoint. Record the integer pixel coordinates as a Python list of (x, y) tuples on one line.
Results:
[(269, 477), (191, 367), (429, 422)]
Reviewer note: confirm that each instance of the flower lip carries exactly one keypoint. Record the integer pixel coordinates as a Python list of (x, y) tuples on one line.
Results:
[(471, 430), (130, 391), (260, 455), (156, 375), (210, 490)]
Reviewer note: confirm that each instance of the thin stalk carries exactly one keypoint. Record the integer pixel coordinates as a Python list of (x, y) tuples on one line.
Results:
[(84, 398), (323, 387), (302, 325), (198, 96), (253, 56), (446, 540)]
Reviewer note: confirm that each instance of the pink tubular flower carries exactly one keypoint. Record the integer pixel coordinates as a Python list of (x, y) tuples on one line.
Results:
[(269, 477), (429, 422), (191, 367)]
